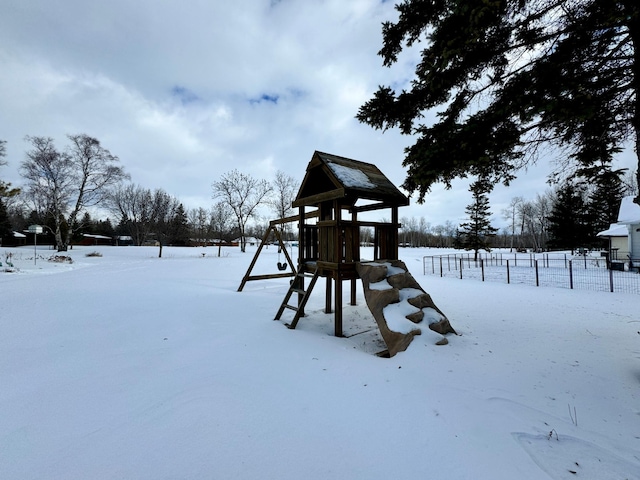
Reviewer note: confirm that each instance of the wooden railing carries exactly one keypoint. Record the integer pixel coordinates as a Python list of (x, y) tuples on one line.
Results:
[(331, 242)]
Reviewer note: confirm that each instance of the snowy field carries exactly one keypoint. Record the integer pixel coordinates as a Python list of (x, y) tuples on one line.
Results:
[(127, 366)]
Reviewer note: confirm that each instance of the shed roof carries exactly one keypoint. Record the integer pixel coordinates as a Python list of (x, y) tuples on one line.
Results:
[(331, 177), (615, 230)]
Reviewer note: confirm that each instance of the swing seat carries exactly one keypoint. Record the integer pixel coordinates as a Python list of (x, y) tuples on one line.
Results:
[(282, 266)]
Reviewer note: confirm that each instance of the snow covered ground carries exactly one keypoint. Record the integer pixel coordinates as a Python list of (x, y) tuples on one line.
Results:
[(133, 367)]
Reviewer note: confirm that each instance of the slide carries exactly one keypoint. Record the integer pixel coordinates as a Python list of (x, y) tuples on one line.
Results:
[(399, 305)]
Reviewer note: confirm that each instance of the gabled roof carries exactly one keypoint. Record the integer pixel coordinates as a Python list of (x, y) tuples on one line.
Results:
[(331, 177), (629, 211)]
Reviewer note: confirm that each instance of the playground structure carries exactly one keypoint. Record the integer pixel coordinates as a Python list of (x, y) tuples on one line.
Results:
[(337, 190)]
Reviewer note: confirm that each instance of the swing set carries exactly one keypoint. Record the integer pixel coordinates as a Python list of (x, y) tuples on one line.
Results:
[(275, 228)]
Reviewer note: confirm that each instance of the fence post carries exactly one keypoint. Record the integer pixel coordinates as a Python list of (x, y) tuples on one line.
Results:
[(585, 260), (441, 266), (537, 276), (482, 268), (571, 274), (610, 279), (461, 263), (508, 278), (515, 259)]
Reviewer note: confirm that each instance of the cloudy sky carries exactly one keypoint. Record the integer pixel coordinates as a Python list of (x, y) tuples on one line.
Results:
[(183, 92)]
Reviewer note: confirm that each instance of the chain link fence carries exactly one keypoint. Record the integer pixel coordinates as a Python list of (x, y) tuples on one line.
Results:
[(585, 272)]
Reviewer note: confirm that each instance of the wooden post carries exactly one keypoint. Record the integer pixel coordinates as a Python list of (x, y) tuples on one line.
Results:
[(394, 222), (353, 292), (245, 279), (301, 249), (338, 309)]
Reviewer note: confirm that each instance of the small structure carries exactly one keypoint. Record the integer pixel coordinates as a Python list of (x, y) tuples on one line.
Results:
[(618, 251), (333, 193), (15, 239), (89, 240), (339, 189), (624, 236)]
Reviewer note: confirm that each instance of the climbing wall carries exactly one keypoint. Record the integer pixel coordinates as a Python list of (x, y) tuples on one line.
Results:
[(399, 305)]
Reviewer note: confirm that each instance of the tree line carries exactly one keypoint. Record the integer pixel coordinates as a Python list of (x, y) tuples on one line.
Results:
[(62, 186), (566, 217)]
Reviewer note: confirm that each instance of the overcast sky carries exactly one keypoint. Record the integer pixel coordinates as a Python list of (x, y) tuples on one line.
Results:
[(183, 92)]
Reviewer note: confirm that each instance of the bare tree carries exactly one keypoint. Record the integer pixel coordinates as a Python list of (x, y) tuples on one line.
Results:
[(49, 176), (243, 194), (63, 184), (510, 214), (133, 205), (630, 186), (424, 229), (285, 190), (6, 192), (543, 206), (164, 209), (95, 173), (3, 152), (200, 225), (220, 223)]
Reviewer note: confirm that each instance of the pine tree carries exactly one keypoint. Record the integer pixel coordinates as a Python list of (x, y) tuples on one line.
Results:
[(5, 223), (476, 234), (497, 79), (104, 227), (604, 201), (568, 222), (179, 227)]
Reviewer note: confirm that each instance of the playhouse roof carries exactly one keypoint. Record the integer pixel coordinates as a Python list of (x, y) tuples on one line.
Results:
[(331, 177)]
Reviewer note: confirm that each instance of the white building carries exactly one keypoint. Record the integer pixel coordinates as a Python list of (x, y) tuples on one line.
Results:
[(624, 236)]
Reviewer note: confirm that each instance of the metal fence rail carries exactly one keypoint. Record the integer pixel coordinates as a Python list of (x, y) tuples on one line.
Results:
[(582, 272)]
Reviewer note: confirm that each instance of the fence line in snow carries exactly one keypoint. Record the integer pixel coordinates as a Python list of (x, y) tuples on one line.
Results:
[(551, 270)]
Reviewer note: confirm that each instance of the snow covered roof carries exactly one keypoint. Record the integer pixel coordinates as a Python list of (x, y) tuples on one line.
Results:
[(350, 177), (18, 235), (629, 211), (332, 177), (88, 235), (615, 230)]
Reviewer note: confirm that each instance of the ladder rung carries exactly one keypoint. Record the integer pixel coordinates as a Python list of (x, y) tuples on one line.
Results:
[(298, 288)]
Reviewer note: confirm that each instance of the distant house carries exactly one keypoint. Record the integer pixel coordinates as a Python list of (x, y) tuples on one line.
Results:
[(212, 242), (124, 240), (17, 239), (624, 235), (88, 240), (251, 241)]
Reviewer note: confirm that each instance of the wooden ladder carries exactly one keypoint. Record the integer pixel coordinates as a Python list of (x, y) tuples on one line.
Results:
[(297, 286)]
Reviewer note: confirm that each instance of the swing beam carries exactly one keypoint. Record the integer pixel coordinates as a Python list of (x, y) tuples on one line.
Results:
[(273, 224)]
